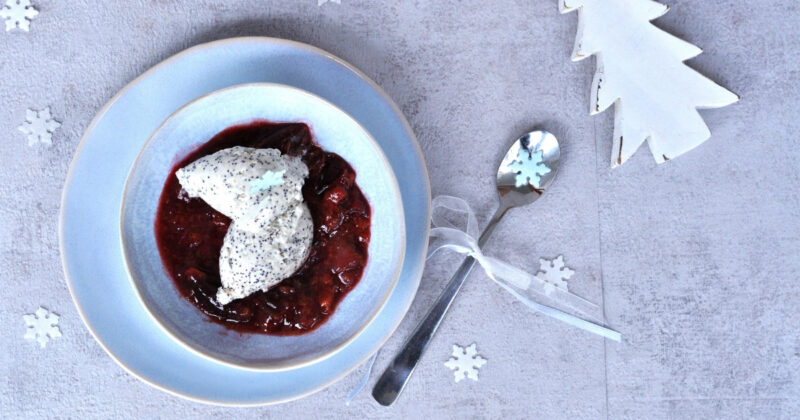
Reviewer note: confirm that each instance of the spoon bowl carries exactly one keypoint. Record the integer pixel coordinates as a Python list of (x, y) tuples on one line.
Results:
[(528, 169)]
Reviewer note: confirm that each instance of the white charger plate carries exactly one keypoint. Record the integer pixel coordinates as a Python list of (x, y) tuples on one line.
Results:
[(89, 231)]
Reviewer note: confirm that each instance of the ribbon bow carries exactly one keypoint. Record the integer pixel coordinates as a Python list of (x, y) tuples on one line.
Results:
[(463, 240)]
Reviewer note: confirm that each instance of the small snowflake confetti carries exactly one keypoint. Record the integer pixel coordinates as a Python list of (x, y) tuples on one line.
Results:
[(530, 167), (465, 363), (18, 14), (39, 126), (266, 181), (42, 326), (321, 2), (554, 274)]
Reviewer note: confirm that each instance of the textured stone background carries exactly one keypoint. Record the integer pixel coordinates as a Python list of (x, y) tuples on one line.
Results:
[(696, 260)]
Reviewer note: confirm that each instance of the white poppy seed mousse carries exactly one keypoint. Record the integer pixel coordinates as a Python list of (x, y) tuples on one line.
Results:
[(272, 230)]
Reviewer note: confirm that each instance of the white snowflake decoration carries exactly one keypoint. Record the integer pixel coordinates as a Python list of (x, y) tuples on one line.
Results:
[(266, 181), (640, 71), (18, 14), (554, 274), (465, 362), (42, 326), (39, 126), (321, 2), (529, 167)]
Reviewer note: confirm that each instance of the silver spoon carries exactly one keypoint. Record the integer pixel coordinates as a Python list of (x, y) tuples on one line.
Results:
[(512, 194)]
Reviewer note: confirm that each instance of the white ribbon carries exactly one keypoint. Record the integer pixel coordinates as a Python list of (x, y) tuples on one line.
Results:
[(364, 379), (463, 240), (505, 275)]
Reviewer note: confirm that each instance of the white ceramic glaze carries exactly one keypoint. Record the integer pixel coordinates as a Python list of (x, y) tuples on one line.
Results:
[(336, 132), (89, 233)]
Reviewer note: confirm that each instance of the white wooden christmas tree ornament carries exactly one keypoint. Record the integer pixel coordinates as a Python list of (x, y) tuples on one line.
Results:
[(640, 70)]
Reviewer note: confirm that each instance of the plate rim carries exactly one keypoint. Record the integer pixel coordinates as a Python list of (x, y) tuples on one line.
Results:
[(201, 352), (193, 49)]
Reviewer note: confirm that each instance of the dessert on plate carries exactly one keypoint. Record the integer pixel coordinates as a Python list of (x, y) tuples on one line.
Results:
[(263, 230)]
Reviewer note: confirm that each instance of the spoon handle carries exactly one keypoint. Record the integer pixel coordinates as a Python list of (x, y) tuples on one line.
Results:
[(395, 377)]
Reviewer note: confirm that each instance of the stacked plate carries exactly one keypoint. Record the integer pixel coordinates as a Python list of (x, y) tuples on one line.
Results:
[(91, 244)]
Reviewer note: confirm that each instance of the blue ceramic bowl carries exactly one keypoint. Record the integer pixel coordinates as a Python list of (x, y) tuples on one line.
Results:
[(336, 132)]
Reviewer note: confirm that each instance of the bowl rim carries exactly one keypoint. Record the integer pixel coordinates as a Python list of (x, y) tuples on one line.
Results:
[(279, 366)]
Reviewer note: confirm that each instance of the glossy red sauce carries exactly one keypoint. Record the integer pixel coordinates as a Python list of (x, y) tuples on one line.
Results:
[(189, 234)]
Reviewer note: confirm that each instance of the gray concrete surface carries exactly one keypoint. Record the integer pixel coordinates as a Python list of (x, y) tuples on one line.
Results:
[(696, 261)]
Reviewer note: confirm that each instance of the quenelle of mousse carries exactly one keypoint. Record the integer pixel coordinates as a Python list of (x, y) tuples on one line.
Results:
[(271, 230)]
